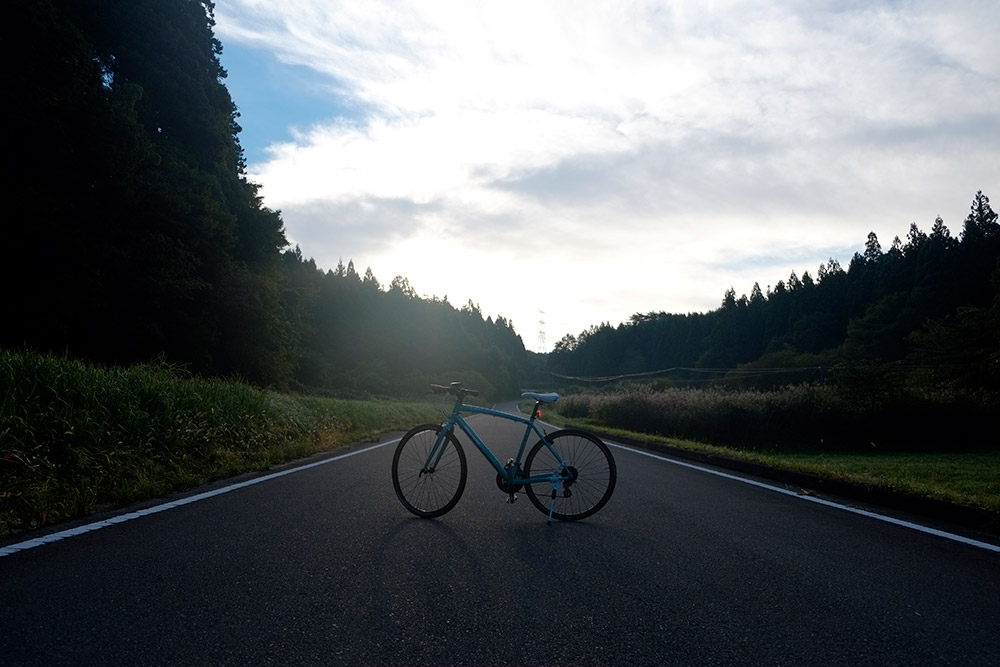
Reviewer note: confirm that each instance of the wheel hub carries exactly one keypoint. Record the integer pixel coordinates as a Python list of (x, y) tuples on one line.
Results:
[(573, 474)]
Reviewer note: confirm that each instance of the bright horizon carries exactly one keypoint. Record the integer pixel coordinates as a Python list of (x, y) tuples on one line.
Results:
[(593, 160)]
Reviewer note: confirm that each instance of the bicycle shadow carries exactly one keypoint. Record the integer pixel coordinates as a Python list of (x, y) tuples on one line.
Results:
[(444, 585), (559, 539), (419, 567)]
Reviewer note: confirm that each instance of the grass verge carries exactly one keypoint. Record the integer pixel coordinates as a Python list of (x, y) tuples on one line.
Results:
[(971, 479), (75, 438)]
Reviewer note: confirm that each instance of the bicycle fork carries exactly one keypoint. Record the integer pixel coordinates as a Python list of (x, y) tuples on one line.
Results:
[(437, 451)]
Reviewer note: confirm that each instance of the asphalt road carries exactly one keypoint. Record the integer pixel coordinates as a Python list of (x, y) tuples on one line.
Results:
[(323, 566)]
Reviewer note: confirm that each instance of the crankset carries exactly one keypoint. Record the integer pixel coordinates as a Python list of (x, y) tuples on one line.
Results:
[(502, 482)]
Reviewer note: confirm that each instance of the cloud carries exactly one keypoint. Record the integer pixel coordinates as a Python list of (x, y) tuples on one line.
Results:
[(367, 226), (650, 154)]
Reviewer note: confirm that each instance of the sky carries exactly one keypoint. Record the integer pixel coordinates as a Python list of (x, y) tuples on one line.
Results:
[(568, 163)]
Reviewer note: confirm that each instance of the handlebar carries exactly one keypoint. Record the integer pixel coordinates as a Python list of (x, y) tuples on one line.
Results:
[(455, 389)]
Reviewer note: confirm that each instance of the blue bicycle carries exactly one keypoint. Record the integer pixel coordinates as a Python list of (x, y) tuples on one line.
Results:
[(570, 467)]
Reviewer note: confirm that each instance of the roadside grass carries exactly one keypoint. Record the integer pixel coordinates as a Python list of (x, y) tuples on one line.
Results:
[(964, 478), (971, 478), (75, 437)]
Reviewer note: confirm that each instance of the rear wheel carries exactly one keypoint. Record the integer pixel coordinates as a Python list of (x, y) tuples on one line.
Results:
[(585, 485), (428, 486)]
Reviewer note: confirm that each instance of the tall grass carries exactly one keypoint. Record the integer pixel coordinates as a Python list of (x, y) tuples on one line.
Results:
[(937, 447), (803, 418), (75, 437)]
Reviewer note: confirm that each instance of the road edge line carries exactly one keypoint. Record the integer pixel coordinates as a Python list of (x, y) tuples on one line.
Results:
[(828, 503)]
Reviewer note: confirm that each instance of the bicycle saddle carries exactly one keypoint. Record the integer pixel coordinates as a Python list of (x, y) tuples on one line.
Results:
[(541, 398)]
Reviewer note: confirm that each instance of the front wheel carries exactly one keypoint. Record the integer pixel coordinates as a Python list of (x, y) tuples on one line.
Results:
[(428, 481), (585, 483)]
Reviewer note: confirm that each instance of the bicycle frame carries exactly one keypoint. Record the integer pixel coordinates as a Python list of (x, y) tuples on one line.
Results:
[(508, 473)]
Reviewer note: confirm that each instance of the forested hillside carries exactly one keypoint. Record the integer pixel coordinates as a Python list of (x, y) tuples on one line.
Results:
[(929, 306), (141, 238), (144, 237), (355, 335)]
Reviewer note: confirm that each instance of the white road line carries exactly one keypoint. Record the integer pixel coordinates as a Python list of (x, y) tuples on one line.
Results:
[(854, 510), (122, 518)]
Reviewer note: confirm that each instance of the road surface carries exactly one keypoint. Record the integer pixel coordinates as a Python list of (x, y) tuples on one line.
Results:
[(323, 566)]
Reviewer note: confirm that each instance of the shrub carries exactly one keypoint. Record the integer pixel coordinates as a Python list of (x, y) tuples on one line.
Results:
[(807, 417)]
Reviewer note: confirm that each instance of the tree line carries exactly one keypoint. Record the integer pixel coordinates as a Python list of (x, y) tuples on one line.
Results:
[(354, 335), (929, 305), (139, 236)]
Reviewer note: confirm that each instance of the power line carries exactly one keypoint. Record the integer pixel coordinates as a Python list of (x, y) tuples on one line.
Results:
[(751, 372), (745, 372)]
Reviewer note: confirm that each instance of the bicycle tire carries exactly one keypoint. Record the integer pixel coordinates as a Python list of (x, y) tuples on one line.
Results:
[(595, 474), (428, 494)]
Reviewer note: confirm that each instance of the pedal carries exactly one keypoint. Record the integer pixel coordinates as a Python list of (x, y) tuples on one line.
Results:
[(512, 499)]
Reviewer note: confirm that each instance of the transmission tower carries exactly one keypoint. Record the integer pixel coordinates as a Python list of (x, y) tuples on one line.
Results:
[(541, 332)]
